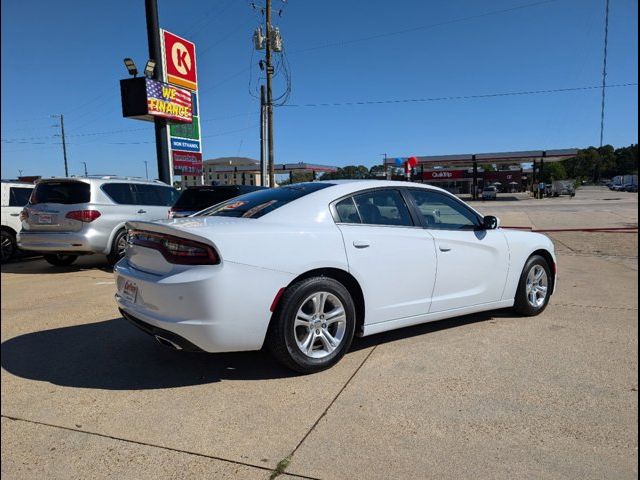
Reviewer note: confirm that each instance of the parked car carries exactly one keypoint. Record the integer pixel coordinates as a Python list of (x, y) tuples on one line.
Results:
[(489, 193), (15, 196), (194, 199), (68, 217), (305, 267), (563, 187)]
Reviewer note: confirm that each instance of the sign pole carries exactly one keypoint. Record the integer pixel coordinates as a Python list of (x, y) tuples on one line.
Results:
[(155, 53)]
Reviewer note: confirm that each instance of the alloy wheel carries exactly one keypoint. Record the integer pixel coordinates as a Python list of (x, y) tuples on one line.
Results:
[(320, 325), (537, 286)]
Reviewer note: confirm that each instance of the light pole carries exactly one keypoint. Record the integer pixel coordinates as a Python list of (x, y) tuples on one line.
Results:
[(146, 170), (85, 169)]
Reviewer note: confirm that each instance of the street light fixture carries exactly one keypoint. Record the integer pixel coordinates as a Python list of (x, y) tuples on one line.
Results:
[(131, 67), (149, 68)]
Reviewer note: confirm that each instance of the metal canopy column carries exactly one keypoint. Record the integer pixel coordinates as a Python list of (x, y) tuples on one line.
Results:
[(474, 194)]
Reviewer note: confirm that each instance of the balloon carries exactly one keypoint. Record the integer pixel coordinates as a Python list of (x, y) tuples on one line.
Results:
[(399, 161)]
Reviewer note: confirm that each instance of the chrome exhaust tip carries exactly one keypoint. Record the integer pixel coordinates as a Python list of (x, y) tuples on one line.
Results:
[(167, 343)]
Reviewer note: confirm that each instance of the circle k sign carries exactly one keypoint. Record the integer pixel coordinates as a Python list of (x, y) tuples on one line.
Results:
[(179, 60)]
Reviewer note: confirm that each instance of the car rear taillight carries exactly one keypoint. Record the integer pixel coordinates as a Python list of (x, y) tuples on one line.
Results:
[(176, 250), (86, 216), (24, 214)]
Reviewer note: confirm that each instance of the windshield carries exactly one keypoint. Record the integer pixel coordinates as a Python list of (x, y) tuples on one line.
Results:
[(257, 204), (66, 193)]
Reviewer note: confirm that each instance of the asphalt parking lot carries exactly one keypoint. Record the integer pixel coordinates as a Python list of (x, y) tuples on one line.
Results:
[(86, 395)]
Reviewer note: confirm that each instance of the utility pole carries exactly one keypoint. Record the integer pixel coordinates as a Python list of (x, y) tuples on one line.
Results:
[(85, 169), (155, 53), (64, 144), (263, 170), (146, 170), (596, 173), (270, 70)]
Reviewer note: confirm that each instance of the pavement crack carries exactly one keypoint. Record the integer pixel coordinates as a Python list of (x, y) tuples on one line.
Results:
[(284, 463), (137, 442)]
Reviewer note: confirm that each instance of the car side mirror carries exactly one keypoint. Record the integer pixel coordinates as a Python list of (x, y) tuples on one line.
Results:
[(490, 222)]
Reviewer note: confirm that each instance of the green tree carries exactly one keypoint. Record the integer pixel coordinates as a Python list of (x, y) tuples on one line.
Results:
[(348, 172), (554, 171), (298, 177)]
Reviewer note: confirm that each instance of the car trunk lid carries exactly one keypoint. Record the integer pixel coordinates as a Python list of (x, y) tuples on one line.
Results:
[(52, 201)]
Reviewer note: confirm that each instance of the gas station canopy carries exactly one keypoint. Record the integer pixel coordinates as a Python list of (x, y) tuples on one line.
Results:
[(493, 158)]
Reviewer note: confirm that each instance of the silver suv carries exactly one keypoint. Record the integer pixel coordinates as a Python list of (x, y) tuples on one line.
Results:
[(68, 217)]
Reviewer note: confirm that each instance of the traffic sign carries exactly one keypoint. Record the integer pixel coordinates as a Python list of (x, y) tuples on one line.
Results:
[(179, 61)]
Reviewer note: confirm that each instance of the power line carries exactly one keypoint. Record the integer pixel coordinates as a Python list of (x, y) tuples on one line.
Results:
[(422, 27), (459, 97)]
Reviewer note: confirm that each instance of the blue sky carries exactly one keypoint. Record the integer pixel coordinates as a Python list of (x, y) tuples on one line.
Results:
[(66, 57)]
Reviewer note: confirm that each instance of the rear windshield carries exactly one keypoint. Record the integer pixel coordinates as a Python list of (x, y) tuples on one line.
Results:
[(257, 204), (66, 193), (196, 199)]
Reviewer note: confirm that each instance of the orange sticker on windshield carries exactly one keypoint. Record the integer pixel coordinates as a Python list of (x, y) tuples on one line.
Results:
[(233, 205)]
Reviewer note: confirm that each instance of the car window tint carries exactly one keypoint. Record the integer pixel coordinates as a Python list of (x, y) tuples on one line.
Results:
[(383, 207), (347, 212), (19, 196), (154, 195), (443, 212), (66, 193), (261, 202), (119, 193)]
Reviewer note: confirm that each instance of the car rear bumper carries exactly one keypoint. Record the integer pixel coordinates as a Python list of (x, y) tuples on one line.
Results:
[(217, 308), (82, 242)]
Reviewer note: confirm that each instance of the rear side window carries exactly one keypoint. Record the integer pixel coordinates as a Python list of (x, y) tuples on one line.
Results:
[(347, 211), (66, 193), (19, 197), (383, 207), (196, 199), (154, 195), (119, 193), (261, 202)]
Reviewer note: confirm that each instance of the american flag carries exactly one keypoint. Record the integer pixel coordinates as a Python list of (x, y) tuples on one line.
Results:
[(162, 91)]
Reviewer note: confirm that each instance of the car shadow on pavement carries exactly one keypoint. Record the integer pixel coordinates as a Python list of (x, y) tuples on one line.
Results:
[(114, 355), (37, 265)]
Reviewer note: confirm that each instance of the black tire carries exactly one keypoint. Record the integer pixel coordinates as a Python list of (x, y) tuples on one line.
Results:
[(522, 303), (60, 259), (116, 253), (9, 246), (281, 337)]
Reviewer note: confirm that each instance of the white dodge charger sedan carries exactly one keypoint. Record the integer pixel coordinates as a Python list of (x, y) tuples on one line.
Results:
[(303, 268)]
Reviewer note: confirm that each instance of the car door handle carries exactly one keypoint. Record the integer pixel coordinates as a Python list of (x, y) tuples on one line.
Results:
[(142, 211), (14, 214), (444, 248), (361, 244)]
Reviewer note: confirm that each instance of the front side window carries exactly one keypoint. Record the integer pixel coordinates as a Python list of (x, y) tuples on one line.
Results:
[(443, 212), (19, 196), (383, 207)]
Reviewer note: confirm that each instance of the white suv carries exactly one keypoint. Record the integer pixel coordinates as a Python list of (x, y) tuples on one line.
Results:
[(15, 196), (68, 217)]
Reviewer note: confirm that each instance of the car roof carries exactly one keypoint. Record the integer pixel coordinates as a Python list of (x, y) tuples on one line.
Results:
[(105, 179), (362, 184)]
